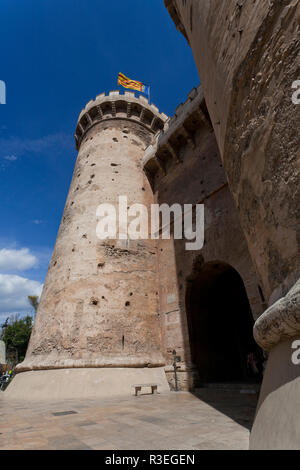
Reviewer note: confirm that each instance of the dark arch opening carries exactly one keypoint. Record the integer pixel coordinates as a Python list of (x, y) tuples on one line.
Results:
[(221, 326)]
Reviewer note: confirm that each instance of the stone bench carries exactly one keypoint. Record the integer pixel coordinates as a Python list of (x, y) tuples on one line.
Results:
[(138, 388)]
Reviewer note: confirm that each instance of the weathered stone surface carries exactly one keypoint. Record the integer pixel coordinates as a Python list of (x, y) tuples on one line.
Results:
[(99, 303), (247, 54), (184, 166), (281, 321)]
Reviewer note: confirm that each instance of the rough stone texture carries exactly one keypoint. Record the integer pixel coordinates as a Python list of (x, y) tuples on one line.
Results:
[(247, 54), (102, 306), (184, 166), (280, 321), (99, 303)]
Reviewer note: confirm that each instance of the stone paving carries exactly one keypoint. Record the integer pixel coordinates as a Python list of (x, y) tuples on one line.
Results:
[(163, 422)]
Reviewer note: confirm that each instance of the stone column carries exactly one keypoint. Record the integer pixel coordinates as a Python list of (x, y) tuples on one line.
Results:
[(247, 55), (98, 318)]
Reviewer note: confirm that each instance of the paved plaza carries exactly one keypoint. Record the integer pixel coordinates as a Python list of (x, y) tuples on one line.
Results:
[(163, 422)]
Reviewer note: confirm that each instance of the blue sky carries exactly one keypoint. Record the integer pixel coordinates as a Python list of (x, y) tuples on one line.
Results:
[(56, 55)]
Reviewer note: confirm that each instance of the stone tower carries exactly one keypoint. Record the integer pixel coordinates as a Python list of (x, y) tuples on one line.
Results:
[(98, 309)]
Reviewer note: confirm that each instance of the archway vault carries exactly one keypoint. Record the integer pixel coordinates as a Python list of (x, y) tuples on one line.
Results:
[(220, 325)]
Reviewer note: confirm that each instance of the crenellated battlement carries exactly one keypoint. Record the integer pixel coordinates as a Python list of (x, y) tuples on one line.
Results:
[(178, 131), (117, 105)]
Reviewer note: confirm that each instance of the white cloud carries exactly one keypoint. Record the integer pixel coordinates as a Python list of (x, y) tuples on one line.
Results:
[(14, 291), (17, 260), (10, 158), (16, 147)]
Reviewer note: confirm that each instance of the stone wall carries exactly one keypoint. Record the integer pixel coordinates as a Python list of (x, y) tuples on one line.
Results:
[(185, 167), (247, 54)]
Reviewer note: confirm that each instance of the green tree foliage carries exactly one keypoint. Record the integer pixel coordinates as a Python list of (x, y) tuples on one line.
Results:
[(16, 336)]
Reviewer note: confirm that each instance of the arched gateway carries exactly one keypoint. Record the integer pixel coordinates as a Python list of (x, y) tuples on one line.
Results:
[(221, 326)]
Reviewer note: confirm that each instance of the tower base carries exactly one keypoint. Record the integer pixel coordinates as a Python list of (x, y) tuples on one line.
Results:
[(64, 384)]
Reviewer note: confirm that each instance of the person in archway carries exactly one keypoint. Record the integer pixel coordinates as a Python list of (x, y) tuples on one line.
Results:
[(254, 365)]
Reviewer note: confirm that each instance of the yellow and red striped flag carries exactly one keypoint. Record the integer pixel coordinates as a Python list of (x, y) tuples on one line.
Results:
[(132, 84)]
